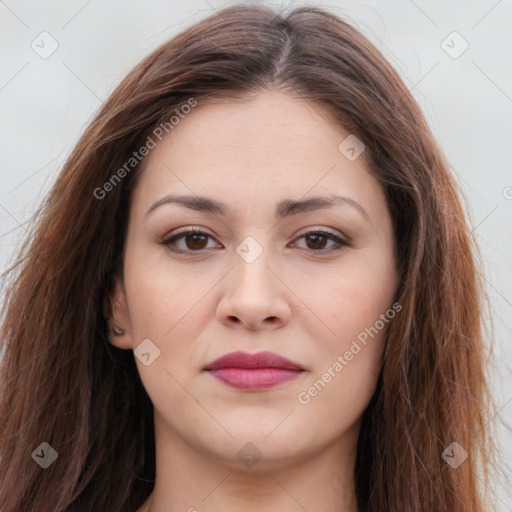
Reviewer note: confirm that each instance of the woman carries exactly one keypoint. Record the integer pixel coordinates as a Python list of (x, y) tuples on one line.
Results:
[(252, 287)]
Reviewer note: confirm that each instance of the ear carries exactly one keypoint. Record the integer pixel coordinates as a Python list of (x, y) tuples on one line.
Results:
[(116, 313)]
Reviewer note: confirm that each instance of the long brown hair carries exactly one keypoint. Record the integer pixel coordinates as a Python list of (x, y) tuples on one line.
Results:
[(64, 384)]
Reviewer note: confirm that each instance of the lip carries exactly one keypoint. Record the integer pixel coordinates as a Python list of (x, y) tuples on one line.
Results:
[(262, 370)]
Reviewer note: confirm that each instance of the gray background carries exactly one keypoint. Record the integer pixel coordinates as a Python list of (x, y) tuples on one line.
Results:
[(47, 102)]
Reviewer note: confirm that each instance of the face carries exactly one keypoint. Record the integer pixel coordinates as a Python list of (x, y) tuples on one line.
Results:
[(312, 283)]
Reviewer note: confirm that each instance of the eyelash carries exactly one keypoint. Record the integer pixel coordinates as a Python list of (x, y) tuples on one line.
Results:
[(331, 236)]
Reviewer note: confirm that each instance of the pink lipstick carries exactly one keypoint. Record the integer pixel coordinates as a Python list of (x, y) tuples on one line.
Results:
[(253, 372)]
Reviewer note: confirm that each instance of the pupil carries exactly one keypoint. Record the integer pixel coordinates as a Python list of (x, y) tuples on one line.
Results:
[(195, 239), (315, 239)]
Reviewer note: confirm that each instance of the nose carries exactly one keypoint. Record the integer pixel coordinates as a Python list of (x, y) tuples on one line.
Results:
[(254, 296)]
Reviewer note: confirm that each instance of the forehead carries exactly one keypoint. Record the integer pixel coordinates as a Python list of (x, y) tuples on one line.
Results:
[(262, 127), (272, 145)]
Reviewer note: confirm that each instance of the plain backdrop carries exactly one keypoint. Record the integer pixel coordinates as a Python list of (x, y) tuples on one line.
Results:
[(61, 59)]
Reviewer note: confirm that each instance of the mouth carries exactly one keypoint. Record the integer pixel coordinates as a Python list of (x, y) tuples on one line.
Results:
[(258, 371)]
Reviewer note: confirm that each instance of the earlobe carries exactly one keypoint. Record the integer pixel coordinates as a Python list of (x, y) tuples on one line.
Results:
[(116, 313), (118, 331)]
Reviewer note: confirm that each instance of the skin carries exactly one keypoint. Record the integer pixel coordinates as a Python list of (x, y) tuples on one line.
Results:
[(299, 298)]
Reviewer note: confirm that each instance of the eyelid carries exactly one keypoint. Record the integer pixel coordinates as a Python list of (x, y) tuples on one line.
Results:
[(188, 229), (181, 232), (340, 239), (321, 229)]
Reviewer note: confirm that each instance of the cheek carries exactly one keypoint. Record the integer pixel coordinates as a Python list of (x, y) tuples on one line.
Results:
[(163, 296), (356, 305), (351, 299), (165, 308), (346, 370)]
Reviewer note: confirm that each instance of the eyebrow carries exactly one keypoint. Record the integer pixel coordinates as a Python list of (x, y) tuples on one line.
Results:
[(284, 208)]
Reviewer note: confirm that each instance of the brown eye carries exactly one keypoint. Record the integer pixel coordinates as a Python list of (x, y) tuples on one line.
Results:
[(316, 241), (194, 241), (197, 241)]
